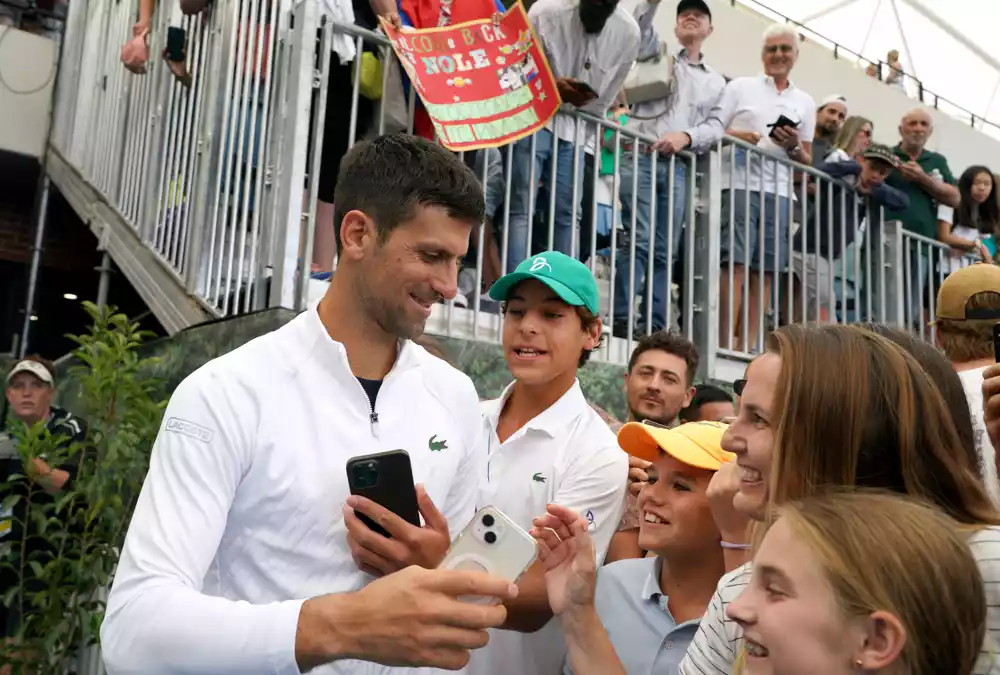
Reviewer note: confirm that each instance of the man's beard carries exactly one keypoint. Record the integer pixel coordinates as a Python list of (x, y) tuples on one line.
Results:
[(379, 310), (594, 16)]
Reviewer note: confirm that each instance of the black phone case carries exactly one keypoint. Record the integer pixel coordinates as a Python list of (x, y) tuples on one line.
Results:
[(394, 490), (996, 342), (175, 43)]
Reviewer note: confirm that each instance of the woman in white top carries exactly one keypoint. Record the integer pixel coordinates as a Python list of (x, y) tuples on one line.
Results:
[(856, 582)]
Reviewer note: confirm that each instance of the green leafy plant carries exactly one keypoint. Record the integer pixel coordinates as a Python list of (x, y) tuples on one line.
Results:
[(64, 550)]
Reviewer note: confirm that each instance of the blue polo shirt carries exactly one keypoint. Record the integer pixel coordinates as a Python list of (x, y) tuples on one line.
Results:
[(635, 614)]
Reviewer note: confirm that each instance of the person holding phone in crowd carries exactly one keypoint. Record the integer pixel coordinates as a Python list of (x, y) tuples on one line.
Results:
[(546, 445), (770, 112), (245, 553), (590, 46)]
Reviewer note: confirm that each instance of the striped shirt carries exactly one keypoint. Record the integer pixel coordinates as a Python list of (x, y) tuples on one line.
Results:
[(713, 650)]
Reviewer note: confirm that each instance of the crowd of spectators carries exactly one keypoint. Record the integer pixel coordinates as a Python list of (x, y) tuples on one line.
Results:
[(592, 47)]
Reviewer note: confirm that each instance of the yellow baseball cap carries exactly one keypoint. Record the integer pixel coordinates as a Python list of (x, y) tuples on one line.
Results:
[(697, 444)]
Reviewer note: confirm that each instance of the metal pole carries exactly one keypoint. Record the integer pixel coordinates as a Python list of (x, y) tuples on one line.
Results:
[(43, 203), (36, 261), (906, 43), (105, 280), (871, 26)]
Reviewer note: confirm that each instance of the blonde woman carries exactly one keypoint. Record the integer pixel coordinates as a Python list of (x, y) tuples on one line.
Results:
[(852, 140), (855, 582)]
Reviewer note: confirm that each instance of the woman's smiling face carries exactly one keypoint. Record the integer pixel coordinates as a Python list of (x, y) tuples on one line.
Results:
[(751, 436)]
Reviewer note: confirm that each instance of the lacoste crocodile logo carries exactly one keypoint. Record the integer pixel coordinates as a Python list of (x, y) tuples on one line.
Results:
[(538, 478), (435, 445)]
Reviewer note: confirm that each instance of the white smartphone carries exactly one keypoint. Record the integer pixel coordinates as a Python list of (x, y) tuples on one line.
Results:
[(492, 543)]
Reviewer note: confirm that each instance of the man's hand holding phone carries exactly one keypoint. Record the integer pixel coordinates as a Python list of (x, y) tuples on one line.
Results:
[(575, 92), (784, 133), (413, 618), (409, 545)]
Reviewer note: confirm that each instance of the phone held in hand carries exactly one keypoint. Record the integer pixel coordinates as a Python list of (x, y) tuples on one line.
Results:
[(175, 44), (492, 543), (996, 342), (585, 88), (782, 121), (386, 478)]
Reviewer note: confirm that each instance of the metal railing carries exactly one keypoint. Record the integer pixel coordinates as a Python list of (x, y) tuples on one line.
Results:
[(919, 91), (220, 179)]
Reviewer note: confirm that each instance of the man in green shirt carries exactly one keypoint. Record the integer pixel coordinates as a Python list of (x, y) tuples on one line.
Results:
[(927, 180), (923, 175)]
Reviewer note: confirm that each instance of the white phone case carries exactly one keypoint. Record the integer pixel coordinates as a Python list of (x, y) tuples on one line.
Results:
[(492, 543)]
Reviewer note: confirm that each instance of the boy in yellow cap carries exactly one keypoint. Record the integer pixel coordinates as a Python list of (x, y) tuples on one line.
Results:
[(651, 607)]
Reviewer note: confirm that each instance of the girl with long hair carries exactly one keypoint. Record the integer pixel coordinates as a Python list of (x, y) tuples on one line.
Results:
[(824, 406), (861, 582), (852, 140), (973, 225)]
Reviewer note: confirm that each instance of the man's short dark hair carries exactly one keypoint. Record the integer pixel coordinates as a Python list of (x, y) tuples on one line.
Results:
[(672, 343), (388, 177), (703, 394)]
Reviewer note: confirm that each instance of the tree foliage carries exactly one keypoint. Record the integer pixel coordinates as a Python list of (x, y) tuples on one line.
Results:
[(66, 548)]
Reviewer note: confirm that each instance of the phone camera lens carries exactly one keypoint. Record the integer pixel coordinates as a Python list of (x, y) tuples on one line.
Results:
[(488, 521), (490, 537), (365, 474)]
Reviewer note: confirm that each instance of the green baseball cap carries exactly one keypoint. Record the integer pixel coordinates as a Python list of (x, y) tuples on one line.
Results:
[(571, 280)]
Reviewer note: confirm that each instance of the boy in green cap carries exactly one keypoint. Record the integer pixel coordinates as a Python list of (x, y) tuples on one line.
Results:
[(546, 444)]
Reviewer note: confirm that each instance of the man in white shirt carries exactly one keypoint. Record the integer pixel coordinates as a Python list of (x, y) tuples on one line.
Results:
[(590, 46), (749, 108), (546, 444), (238, 558), (968, 308)]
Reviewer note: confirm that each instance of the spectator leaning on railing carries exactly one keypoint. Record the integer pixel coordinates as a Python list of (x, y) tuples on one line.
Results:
[(748, 110), (594, 42), (841, 215), (678, 121)]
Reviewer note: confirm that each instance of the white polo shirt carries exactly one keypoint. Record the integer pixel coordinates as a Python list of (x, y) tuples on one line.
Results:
[(568, 456), (240, 517), (750, 104)]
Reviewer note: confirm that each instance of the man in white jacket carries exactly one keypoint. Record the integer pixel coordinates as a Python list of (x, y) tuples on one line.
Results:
[(244, 554)]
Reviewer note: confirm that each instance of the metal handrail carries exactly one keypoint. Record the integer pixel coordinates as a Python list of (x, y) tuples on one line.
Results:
[(923, 93)]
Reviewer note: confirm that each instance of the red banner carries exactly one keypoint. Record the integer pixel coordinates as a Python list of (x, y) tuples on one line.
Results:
[(483, 83)]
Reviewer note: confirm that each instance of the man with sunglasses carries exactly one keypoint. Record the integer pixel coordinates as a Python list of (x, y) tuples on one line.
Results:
[(773, 114)]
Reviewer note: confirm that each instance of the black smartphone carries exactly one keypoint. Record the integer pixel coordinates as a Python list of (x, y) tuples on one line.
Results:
[(386, 478), (585, 88), (175, 44), (996, 342), (782, 121)]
